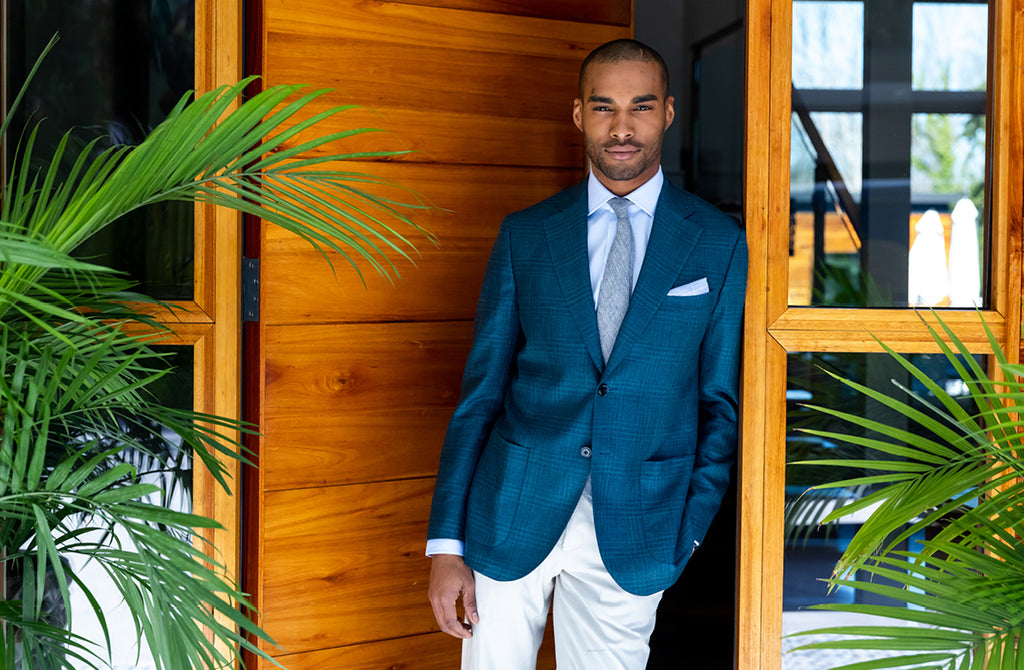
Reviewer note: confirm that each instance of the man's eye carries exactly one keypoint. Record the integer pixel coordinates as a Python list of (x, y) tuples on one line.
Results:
[(602, 108), (644, 108)]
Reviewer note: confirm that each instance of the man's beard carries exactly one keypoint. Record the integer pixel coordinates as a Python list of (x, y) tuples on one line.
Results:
[(621, 170)]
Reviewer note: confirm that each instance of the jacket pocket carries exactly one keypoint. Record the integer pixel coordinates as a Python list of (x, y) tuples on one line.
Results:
[(663, 488), (495, 491)]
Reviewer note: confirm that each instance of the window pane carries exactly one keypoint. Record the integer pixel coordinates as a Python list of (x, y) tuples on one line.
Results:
[(174, 476), (828, 45), (948, 56), (947, 181), (811, 549), (817, 218), (117, 70), (888, 181)]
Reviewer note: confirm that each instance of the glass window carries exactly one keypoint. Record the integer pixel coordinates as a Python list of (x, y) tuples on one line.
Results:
[(173, 473), (828, 49), (888, 167), (948, 56), (117, 70), (811, 549)]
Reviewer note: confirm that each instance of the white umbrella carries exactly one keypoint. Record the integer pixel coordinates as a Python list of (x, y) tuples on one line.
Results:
[(964, 258), (927, 279)]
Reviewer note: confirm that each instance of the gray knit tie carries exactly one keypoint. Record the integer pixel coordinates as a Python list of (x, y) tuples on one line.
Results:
[(617, 285)]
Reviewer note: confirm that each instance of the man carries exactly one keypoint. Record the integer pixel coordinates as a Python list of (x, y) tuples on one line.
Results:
[(592, 443)]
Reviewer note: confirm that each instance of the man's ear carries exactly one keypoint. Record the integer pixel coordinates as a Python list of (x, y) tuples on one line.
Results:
[(577, 113), (670, 110)]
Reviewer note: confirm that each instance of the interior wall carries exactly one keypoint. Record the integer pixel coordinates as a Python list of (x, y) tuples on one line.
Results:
[(673, 27), (702, 604)]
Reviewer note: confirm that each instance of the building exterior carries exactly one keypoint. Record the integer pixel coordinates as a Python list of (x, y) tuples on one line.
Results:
[(352, 385)]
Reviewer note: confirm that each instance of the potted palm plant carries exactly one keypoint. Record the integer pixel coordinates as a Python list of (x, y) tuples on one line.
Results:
[(77, 369), (949, 473)]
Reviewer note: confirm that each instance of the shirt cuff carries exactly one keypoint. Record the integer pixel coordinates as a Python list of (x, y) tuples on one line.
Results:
[(445, 546)]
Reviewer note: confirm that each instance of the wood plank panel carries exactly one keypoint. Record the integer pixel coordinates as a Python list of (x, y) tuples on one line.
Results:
[(432, 651), (348, 402), (753, 385), (592, 11), (409, 23), (852, 329), (459, 137), (462, 85), (345, 565), (1008, 176), (445, 281), (426, 77)]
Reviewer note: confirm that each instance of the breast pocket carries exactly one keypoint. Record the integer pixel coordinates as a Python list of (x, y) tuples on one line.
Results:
[(700, 302), (680, 323)]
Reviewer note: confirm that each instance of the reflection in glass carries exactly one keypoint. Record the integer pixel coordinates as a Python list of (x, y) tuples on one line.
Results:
[(948, 56), (888, 155), (116, 72), (811, 549), (828, 45), (171, 470)]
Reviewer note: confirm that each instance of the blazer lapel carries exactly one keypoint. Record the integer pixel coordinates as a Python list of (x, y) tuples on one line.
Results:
[(567, 242), (673, 239)]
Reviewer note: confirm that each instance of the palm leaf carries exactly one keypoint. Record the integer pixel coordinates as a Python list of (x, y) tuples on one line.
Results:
[(961, 475), (76, 375)]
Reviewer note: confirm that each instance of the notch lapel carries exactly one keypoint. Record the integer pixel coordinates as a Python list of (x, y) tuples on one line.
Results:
[(567, 242)]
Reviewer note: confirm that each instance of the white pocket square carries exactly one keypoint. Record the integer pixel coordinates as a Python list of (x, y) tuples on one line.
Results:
[(698, 287)]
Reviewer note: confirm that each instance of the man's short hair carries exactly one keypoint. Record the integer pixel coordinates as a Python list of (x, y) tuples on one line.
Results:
[(624, 51)]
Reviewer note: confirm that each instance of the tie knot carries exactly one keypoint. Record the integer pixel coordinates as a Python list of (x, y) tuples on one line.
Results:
[(620, 206)]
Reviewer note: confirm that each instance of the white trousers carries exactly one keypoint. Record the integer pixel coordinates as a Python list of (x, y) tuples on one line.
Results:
[(598, 625)]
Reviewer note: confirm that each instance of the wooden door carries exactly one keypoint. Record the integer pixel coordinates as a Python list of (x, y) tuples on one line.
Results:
[(777, 328), (353, 385)]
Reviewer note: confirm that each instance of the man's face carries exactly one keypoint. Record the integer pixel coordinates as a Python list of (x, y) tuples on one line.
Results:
[(623, 116)]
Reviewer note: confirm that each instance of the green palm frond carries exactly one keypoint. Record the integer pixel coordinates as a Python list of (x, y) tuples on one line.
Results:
[(958, 473), (80, 419), (247, 158)]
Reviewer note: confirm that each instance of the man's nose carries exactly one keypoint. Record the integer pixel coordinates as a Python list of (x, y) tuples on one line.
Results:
[(622, 129)]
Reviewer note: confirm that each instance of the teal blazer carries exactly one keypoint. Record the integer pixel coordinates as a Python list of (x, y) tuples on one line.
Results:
[(655, 428)]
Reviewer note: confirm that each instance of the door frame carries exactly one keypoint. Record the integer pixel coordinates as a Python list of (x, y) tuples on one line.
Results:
[(773, 329)]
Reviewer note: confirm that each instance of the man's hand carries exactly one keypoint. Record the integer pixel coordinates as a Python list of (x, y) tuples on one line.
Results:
[(450, 576)]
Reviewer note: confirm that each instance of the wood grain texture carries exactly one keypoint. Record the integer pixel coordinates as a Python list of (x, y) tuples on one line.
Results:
[(430, 651), (406, 23), (469, 204), (357, 403), (756, 340), (1008, 174), (345, 565), (809, 329), (458, 86), (218, 40), (592, 11), (773, 501)]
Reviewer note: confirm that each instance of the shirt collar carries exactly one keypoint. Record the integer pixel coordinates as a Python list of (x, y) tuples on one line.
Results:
[(645, 196)]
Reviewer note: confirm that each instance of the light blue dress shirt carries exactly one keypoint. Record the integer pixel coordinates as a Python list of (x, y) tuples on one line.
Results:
[(601, 223)]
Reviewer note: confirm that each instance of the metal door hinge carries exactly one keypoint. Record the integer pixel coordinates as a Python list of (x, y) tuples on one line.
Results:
[(250, 289)]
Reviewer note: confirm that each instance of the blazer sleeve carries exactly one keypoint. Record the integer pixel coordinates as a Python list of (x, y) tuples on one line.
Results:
[(718, 399), (497, 337)]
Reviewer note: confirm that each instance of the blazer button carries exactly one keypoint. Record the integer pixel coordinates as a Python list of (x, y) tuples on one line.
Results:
[(585, 452), (602, 389)]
